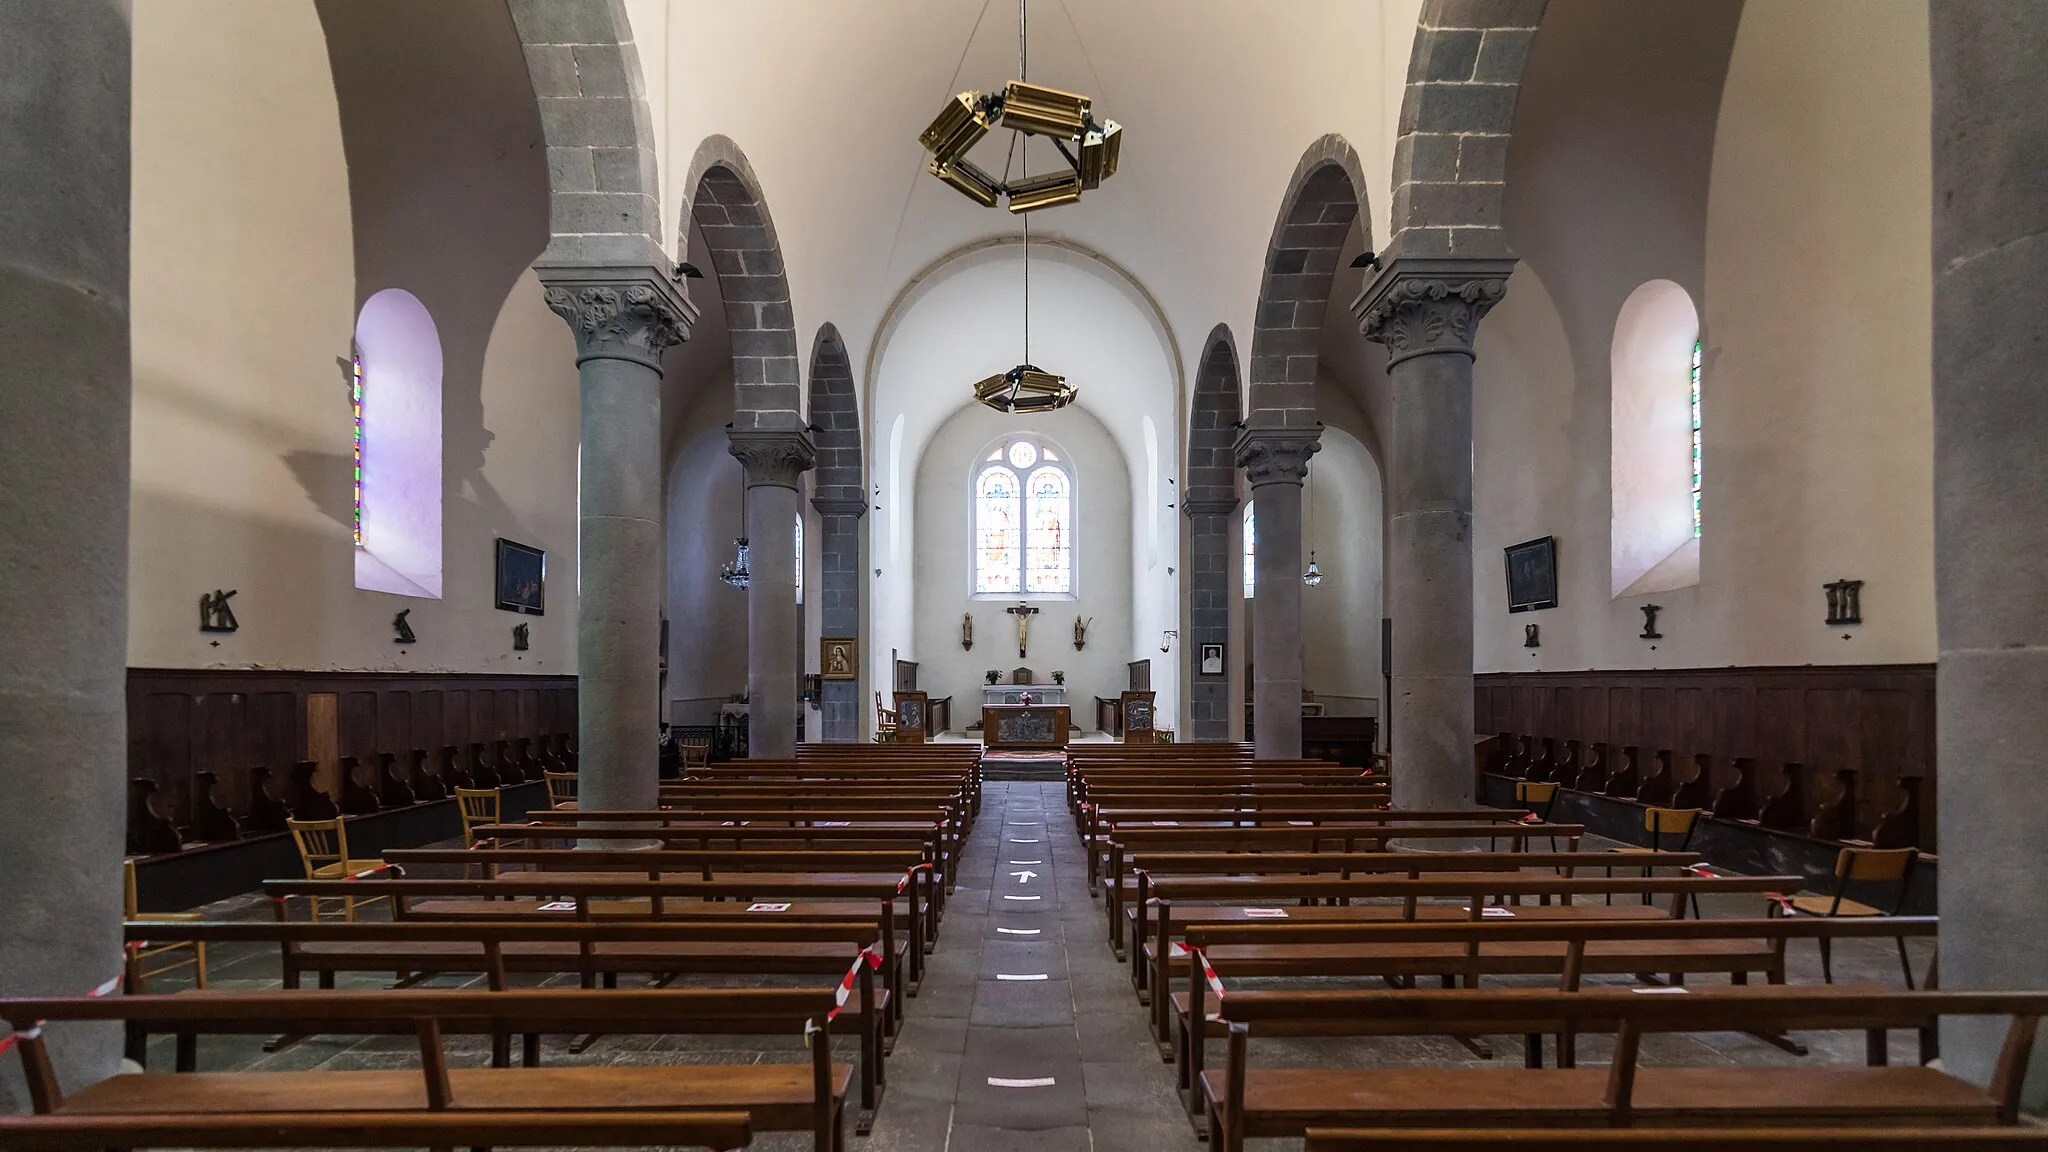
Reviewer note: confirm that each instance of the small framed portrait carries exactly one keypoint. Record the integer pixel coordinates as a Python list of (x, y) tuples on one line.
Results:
[(839, 658), (1212, 659), (1532, 575), (522, 578)]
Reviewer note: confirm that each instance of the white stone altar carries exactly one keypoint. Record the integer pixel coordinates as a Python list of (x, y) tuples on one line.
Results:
[(1010, 693)]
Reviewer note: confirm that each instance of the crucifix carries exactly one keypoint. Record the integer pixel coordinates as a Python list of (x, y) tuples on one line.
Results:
[(1023, 612)]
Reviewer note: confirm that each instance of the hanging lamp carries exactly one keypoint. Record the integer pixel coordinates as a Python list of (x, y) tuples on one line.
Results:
[(735, 572), (1089, 147)]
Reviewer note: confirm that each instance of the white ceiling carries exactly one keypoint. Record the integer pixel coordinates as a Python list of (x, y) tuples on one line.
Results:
[(1218, 98)]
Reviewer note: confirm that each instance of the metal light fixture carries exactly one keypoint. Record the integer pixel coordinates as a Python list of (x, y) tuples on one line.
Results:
[(735, 573), (1314, 575), (1090, 147), (1027, 387)]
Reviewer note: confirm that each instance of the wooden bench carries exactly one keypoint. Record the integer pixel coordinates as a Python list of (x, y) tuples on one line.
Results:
[(1466, 951), (1470, 894), (592, 951), (775, 1097), (1242, 1101), (1828, 1139)]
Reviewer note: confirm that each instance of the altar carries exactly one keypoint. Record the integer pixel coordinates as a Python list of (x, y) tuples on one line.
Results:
[(1012, 693), (1012, 726)]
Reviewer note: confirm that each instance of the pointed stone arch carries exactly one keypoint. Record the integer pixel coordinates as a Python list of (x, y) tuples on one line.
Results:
[(839, 494), (1208, 500)]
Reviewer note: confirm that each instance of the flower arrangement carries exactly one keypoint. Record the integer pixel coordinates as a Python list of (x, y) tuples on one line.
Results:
[(1059, 677), (992, 676)]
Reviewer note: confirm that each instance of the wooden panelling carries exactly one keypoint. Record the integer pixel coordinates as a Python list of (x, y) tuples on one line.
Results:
[(1876, 720), (182, 722)]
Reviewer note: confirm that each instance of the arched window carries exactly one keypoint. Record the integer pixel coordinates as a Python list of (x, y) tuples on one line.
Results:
[(1250, 550), (1023, 521), (1655, 442), (395, 394)]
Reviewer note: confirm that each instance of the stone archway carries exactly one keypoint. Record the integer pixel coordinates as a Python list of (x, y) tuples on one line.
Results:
[(768, 432), (1323, 203), (1451, 157), (839, 494), (1209, 498)]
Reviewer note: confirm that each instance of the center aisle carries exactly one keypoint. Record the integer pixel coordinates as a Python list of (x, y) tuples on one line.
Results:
[(1025, 1034)]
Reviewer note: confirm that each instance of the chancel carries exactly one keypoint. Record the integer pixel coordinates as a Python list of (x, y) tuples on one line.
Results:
[(1545, 496)]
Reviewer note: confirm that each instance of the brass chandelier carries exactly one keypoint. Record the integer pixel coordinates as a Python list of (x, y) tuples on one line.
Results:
[(1090, 147)]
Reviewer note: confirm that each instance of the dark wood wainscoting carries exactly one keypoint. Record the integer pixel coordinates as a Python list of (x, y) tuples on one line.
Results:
[(182, 722), (1874, 722)]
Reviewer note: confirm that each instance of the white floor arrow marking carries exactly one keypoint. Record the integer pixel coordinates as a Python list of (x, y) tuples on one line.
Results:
[(1006, 1082), (1025, 876)]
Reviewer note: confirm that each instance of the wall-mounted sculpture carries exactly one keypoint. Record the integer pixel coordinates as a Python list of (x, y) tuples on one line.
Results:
[(1844, 602), (404, 629), (1650, 622), (214, 613)]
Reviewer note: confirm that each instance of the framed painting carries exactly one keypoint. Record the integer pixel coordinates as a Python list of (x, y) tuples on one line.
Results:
[(839, 657), (522, 578), (1212, 659), (1532, 575)]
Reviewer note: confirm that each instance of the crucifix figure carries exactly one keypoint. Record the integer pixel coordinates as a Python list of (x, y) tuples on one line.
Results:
[(1023, 612)]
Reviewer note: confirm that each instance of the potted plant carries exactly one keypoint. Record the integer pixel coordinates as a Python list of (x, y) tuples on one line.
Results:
[(1059, 677), (992, 675)]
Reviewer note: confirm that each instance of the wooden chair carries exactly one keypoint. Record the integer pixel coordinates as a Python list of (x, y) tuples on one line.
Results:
[(695, 756), (140, 951), (1659, 823), (885, 722), (561, 790), (478, 806), (1862, 865), (323, 849), (1538, 797)]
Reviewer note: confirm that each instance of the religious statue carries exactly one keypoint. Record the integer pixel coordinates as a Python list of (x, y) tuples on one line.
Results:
[(967, 631), (1650, 621), (214, 613), (1081, 632), (1023, 612), (405, 635), (519, 638)]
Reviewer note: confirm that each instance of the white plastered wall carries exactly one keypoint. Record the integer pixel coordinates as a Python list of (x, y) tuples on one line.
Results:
[(243, 299), (1816, 394)]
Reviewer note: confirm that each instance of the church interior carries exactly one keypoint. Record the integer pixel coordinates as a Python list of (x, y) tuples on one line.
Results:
[(1023, 574)]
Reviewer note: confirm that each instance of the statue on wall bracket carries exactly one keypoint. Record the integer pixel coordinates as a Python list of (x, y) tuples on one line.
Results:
[(1844, 602), (519, 638), (1650, 622), (403, 628), (214, 613)]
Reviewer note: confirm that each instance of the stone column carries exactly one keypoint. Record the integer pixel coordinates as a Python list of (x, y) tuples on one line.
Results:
[(1990, 140), (64, 412), (839, 609), (624, 318), (1209, 558), (1275, 461), (1426, 311), (774, 460)]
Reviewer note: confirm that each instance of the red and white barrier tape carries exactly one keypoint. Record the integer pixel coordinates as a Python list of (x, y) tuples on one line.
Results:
[(36, 1029), (870, 956), (903, 884), (1209, 977), (1783, 901), (370, 872)]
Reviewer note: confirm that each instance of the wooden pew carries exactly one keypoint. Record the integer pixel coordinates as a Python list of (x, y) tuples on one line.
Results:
[(1157, 917), (1469, 950), (775, 1097), (593, 1127), (1829, 1139), (1244, 1102), (594, 952)]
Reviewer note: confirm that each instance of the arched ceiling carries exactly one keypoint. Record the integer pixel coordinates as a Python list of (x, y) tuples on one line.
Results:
[(1218, 99)]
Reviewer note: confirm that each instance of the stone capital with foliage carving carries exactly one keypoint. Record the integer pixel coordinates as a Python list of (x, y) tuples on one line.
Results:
[(1423, 306), (772, 457), (619, 313), (1276, 455)]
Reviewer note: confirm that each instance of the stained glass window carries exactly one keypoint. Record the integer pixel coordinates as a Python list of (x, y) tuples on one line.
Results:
[(1047, 548), (1023, 521), (1250, 549), (1695, 439), (355, 397), (996, 535)]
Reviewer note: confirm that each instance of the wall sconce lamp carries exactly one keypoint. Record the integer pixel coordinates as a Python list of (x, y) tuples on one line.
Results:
[(1167, 638)]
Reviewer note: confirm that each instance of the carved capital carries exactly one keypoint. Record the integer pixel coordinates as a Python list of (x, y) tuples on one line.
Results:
[(1276, 455), (839, 506), (619, 313), (1423, 306), (772, 457)]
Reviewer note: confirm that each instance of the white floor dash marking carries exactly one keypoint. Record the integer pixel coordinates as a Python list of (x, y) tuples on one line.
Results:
[(1014, 840), (1020, 976), (1020, 897), (1019, 931), (1021, 862), (1007, 1082)]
